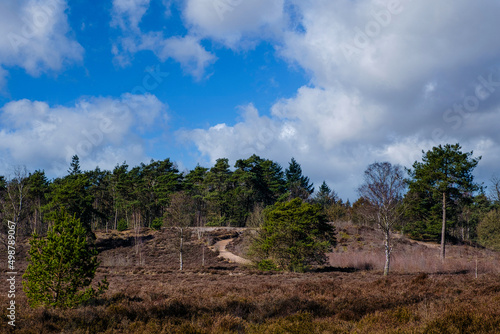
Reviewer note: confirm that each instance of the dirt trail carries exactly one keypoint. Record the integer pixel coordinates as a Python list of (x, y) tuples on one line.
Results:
[(426, 244), (221, 247)]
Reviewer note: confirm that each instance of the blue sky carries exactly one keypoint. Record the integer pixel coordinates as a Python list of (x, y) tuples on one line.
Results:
[(337, 84)]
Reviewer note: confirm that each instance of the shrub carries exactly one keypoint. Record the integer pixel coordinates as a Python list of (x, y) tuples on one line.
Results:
[(267, 265), (294, 235), (122, 225), (157, 224)]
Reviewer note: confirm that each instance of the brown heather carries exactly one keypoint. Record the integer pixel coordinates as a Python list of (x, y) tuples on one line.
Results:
[(149, 295)]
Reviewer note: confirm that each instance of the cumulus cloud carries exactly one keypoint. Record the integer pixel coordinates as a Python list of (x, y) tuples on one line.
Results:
[(101, 131), (186, 50), (36, 37), (235, 23), (388, 80)]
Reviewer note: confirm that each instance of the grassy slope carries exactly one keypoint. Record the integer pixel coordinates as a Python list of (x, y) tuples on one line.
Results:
[(149, 295)]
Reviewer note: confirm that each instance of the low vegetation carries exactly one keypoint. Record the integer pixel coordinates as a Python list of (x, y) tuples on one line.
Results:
[(222, 297)]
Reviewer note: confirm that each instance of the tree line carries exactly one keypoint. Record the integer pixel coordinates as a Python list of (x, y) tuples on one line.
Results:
[(437, 197), (154, 194)]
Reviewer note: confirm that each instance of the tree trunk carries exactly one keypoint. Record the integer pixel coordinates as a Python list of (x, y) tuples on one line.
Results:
[(180, 251), (443, 228), (387, 244)]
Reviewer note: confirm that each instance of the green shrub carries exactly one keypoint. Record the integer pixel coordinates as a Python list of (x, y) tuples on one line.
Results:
[(157, 224), (267, 265), (122, 225), (294, 235)]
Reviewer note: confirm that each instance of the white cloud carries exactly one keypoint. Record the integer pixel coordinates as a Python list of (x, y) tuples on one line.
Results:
[(101, 131), (127, 14), (35, 36), (186, 50), (396, 95), (193, 58), (235, 22)]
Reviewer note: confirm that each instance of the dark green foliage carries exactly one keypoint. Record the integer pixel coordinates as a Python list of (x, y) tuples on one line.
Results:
[(266, 265), (62, 266), (152, 186), (218, 195), (445, 172), (74, 167), (294, 236), (256, 182), (38, 188), (194, 186), (122, 225), (157, 224), (72, 194), (139, 196), (325, 196), (102, 204), (298, 185)]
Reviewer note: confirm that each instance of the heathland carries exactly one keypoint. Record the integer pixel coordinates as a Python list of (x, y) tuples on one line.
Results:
[(149, 294)]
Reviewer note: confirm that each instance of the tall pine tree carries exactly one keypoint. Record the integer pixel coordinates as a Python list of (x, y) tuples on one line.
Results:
[(445, 173)]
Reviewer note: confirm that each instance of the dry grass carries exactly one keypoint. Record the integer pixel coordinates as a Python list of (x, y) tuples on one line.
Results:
[(361, 248), (154, 297)]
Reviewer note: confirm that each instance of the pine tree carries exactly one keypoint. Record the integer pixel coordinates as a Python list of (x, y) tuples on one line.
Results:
[(299, 186), (62, 266), (219, 193), (74, 167), (325, 196), (445, 175)]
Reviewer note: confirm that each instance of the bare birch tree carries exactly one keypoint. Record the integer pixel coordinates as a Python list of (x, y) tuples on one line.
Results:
[(180, 214), (383, 188)]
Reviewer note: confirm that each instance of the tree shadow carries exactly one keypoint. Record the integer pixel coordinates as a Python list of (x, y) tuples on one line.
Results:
[(113, 242), (330, 269)]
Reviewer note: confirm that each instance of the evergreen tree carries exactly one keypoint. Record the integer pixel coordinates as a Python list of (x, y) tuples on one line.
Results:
[(74, 167), (156, 182), (257, 181), (325, 196), (38, 188), (61, 266), (72, 194), (446, 173), (99, 189), (120, 189), (194, 184), (219, 185), (298, 185)]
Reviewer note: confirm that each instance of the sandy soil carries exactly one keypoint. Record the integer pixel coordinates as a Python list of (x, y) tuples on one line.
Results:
[(221, 247)]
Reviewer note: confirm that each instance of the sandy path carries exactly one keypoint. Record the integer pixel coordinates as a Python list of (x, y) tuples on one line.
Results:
[(221, 247), (422, 243)]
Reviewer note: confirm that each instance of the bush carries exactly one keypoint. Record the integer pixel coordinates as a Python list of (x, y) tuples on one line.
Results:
[(122, 225), (267, 265), (157, 224), (294, 235)]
